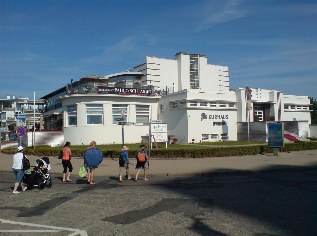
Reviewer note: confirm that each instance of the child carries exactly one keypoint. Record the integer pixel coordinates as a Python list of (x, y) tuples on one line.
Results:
[(124, 163), (142, 158)]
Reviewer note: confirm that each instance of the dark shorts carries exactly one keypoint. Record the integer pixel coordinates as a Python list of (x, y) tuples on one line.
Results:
[(140, 165), (67, 165)]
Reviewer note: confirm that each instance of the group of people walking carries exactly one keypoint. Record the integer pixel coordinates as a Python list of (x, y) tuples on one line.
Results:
[(124, 162), (93, 157)]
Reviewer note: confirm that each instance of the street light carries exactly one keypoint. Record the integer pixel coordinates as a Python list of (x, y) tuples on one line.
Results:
[(123, 121)]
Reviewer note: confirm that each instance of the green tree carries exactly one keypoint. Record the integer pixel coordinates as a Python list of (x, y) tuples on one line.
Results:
[(314, 112)]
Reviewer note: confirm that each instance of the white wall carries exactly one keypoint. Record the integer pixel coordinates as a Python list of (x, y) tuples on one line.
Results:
[(108, 132), (162, 70), (313, 131), (211, 125), (183, 72)]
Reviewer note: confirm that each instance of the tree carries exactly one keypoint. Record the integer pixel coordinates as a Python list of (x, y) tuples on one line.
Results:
[(314, 112)]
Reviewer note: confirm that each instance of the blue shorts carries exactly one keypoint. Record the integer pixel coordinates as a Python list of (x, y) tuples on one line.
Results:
[(18, 175)]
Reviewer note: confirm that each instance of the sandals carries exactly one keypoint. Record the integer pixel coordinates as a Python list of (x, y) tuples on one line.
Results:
[(67, 181)]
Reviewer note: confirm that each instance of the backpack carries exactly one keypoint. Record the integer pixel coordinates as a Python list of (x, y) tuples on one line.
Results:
[(26, 163), (141, 157), (60, 155), (121, 159)]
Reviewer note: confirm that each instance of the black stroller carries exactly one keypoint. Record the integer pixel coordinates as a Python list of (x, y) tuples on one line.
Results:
[(39, 177)]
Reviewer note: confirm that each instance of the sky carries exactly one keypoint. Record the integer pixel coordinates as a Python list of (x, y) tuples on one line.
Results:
[(266, 44)]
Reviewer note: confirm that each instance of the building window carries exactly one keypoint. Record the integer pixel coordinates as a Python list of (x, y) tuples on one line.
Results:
[(258, 116), (119, 111), (231, 105), (214, 136), (72, 115), (142, 114), (213, 105), (222, 105), (203, 104), (204, 137), (224, 136), (182, 104), (193, 104), (161, 108), (94, 113), (194, 71)]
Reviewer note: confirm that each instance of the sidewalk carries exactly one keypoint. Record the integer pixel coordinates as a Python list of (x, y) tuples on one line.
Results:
[(186, 167)]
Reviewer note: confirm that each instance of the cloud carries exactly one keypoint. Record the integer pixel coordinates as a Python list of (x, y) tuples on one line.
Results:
[(218, 14)]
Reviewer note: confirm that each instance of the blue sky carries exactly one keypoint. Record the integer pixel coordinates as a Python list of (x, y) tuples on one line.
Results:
[(266, 44)]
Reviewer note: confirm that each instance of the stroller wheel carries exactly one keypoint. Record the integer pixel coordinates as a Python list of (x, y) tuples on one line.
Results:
[(41, 186), (49, 184)]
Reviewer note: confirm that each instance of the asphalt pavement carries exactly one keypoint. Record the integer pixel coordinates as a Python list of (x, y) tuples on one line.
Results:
[(176, 201), (189, 166)]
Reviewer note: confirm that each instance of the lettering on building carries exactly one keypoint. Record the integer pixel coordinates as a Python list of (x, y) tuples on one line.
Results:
[(204, 116), (126, 91)]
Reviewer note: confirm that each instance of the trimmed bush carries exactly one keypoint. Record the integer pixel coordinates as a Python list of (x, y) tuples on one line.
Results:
[(173, 151)]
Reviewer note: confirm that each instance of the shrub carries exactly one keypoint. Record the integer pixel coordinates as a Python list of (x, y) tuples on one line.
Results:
[(174, 151)]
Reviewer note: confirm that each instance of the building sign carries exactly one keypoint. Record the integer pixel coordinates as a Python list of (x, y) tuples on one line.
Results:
[(276, 135), (204, 116), (125, 91)]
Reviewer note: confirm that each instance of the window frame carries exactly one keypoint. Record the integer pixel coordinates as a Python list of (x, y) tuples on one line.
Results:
[(94, 110), (141, 112), (71, 114), (117, 110)]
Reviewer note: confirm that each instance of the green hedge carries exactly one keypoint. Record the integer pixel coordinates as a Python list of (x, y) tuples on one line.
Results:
[(174, 151)]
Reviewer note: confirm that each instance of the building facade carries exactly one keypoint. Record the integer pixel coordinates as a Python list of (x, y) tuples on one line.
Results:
[(191, 96), (11, 106)]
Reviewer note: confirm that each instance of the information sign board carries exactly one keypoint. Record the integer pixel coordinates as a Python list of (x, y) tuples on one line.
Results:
[(159, 132), (276, 134)]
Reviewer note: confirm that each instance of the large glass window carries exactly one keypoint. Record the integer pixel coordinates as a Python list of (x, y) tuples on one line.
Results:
[(94, 114), (258, 115), (142, 113), (119, 111), (194, 71), (72, 115)]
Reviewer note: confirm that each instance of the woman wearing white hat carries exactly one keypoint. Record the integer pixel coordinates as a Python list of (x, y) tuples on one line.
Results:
[(17, 168)]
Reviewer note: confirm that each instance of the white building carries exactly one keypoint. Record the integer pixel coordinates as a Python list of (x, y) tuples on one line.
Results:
[(187, 93)]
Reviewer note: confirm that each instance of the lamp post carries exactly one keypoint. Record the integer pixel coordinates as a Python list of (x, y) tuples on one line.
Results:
[(123, 120)]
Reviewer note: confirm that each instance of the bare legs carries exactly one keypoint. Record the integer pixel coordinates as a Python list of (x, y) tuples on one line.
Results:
[(90, 175), (66, 177), (127, 176), (16, 185), (137, 174)]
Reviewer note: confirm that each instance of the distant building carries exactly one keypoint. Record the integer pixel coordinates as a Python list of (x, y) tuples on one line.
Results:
[(11, 106), (187, 93)]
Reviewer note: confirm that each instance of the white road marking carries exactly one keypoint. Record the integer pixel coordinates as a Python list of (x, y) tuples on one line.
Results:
[(53, 228), (29, 231)]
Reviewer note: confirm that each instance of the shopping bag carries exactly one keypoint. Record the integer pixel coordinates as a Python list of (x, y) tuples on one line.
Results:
[(82, 171)]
